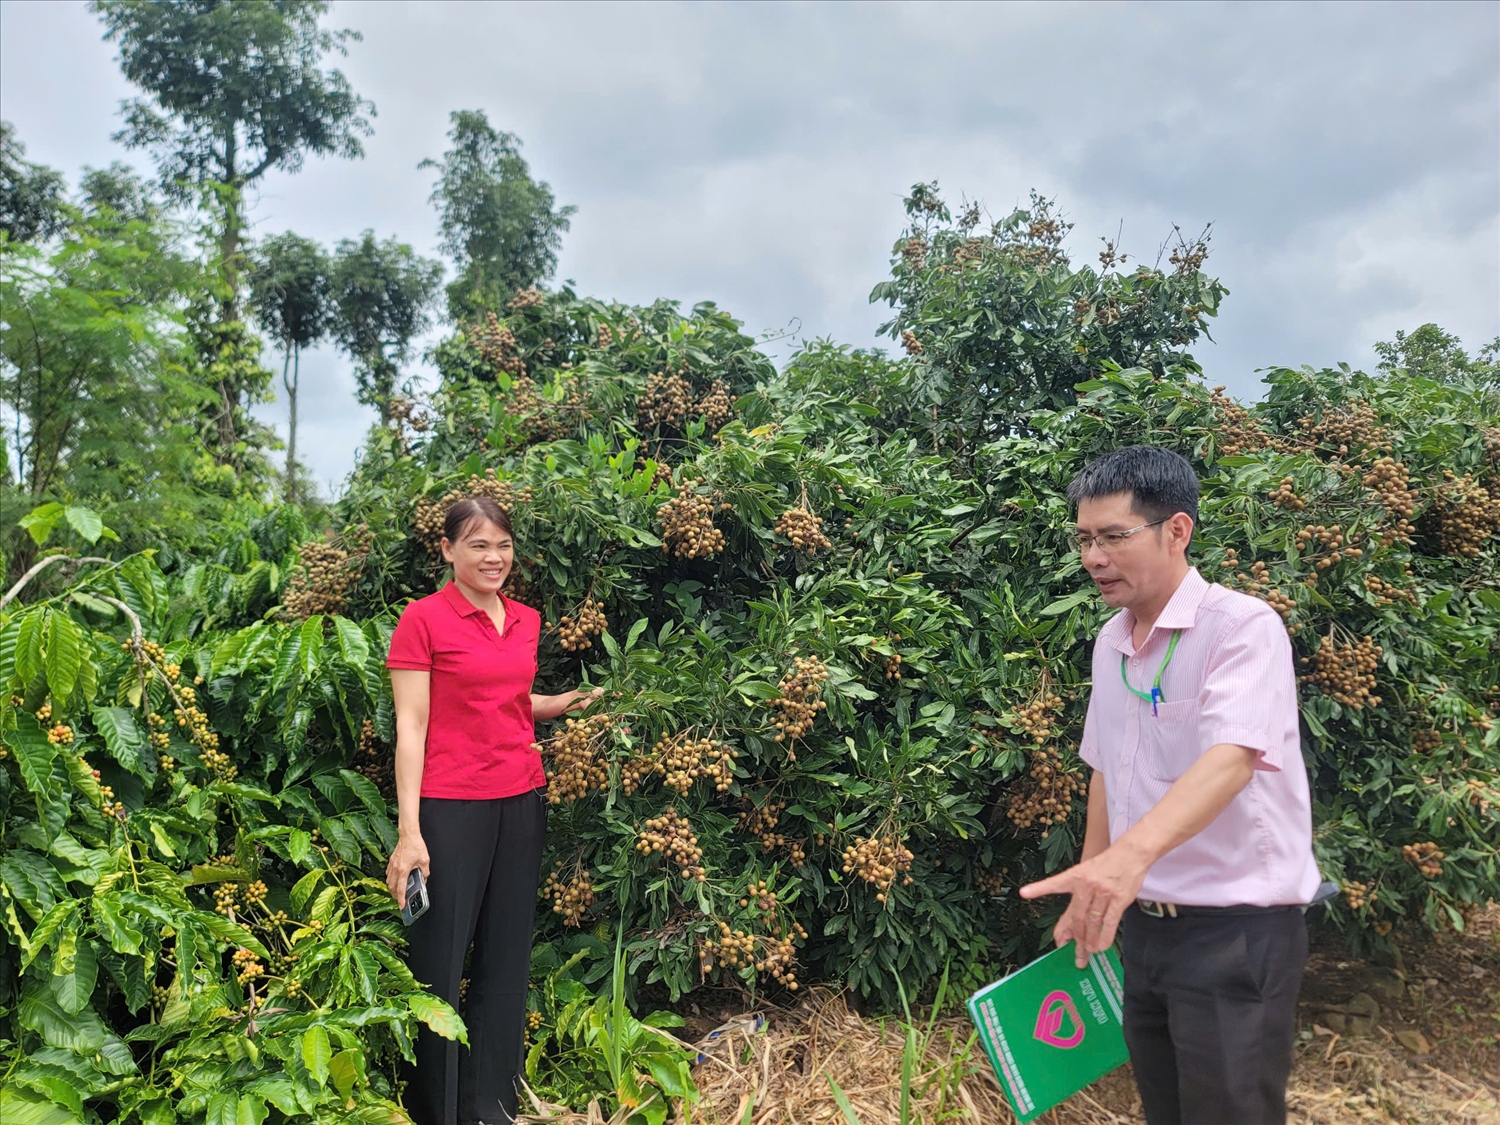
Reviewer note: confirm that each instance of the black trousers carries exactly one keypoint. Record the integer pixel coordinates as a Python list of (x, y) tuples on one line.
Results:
[(1210, 1013), (486, 859)]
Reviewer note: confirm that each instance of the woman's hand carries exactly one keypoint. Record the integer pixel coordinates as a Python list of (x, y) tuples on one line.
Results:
[(411, 851), (582, 699), (544, 707)]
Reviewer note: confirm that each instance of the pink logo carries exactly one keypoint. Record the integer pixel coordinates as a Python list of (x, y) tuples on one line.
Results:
[(1049, 1021)]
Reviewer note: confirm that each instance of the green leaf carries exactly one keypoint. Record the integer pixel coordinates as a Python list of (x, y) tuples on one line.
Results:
[(34, 754), (86, 522), (76, 1031), (1062, 605), (316, 1053), (843, 1102), (40, 521), (345, 1069), (438, 1016), (30, 638), (47, 929), (73, 990), (22, 1107), (124, 739), (64, 655)]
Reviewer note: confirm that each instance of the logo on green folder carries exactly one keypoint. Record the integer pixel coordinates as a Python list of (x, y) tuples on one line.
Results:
[(1051, 1028), (1049, 1021)]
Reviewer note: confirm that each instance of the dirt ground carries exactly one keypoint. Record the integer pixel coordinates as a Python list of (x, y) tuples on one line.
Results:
[(1412, 1042)]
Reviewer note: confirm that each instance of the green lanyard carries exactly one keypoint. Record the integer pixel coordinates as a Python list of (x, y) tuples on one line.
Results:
[(1155, 696)]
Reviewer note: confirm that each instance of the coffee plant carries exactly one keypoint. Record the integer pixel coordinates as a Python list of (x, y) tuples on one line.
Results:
[(844, 645)]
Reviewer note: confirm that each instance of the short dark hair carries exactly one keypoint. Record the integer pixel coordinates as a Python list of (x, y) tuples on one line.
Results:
[(1161, 483), (464, 514)]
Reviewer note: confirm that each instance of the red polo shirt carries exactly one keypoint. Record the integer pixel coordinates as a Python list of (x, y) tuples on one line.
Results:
[(480, 737)]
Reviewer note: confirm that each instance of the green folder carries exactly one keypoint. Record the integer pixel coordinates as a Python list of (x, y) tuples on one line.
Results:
[(1052, 1028)]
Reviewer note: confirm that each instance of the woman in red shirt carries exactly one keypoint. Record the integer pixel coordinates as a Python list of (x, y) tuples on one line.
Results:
[(472, 813)]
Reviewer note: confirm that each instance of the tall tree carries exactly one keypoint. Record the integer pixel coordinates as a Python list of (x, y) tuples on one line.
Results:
[(383, 295), (231, 91), (31, 195), (119, 191), (291, 299), (1431, 353), (500, 226), (94, 375)]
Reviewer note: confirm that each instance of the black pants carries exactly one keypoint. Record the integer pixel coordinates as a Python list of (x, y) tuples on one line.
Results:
[(486, 859), (1210, 1012)]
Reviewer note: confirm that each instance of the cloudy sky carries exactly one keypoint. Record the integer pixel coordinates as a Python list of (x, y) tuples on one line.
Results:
[(1348, 155)]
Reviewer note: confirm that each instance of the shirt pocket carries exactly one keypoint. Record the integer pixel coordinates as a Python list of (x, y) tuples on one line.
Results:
[(1171, 738)]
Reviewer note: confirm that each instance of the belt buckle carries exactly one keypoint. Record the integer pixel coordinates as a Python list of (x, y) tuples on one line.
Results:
[(1153, 909)]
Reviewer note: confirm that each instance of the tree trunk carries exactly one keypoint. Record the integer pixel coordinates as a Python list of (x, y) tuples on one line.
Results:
[(291, 441), (229, 306)]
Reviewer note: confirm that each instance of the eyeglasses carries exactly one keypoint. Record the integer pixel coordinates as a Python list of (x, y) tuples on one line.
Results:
[(1110, 540)]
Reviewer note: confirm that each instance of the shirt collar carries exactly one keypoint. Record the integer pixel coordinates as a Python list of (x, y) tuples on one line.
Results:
[(1180, 612), (462, 605)]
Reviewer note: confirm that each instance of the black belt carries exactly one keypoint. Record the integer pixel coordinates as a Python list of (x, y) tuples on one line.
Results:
[(1153, 909)]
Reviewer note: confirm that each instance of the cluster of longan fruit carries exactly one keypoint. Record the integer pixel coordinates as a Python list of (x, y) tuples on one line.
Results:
[(1356, 428), (1386, 593), (687, 522), (682, 760), (770, 956), (910, 342), (1238, 432), (1466, 515), (1425, 740), (803, 529), (1345, 671), (429, 516), (1390, 480), (1426, 858), (404, 412), (892, 666), (1037, 718), (761, 821), (800, 699), (715, 406), (991, 883), (571, 897), (878, 860), (578, 768), (1049, 797), (606, 336), (319, 583), (527, 298), (1285, 496), (665, 402), (1358, 895), (672, 836), (496, 345), (374, 760), (577, 634)]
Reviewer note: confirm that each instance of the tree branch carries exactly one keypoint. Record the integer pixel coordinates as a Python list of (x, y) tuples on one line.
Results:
[(43, 565)]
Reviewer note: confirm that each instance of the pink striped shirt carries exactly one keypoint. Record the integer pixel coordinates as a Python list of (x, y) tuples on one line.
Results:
[(1231, 680)]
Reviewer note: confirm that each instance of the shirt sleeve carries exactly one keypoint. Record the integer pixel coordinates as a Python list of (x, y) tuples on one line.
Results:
[(411, 643), (1249, 686), (1088, 745)]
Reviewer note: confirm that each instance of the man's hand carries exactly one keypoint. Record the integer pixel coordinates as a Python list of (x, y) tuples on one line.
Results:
[(1102, 889), (411, 851)]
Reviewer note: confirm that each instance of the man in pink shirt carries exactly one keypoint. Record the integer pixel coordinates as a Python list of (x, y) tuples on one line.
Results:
[(1199, 834)]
